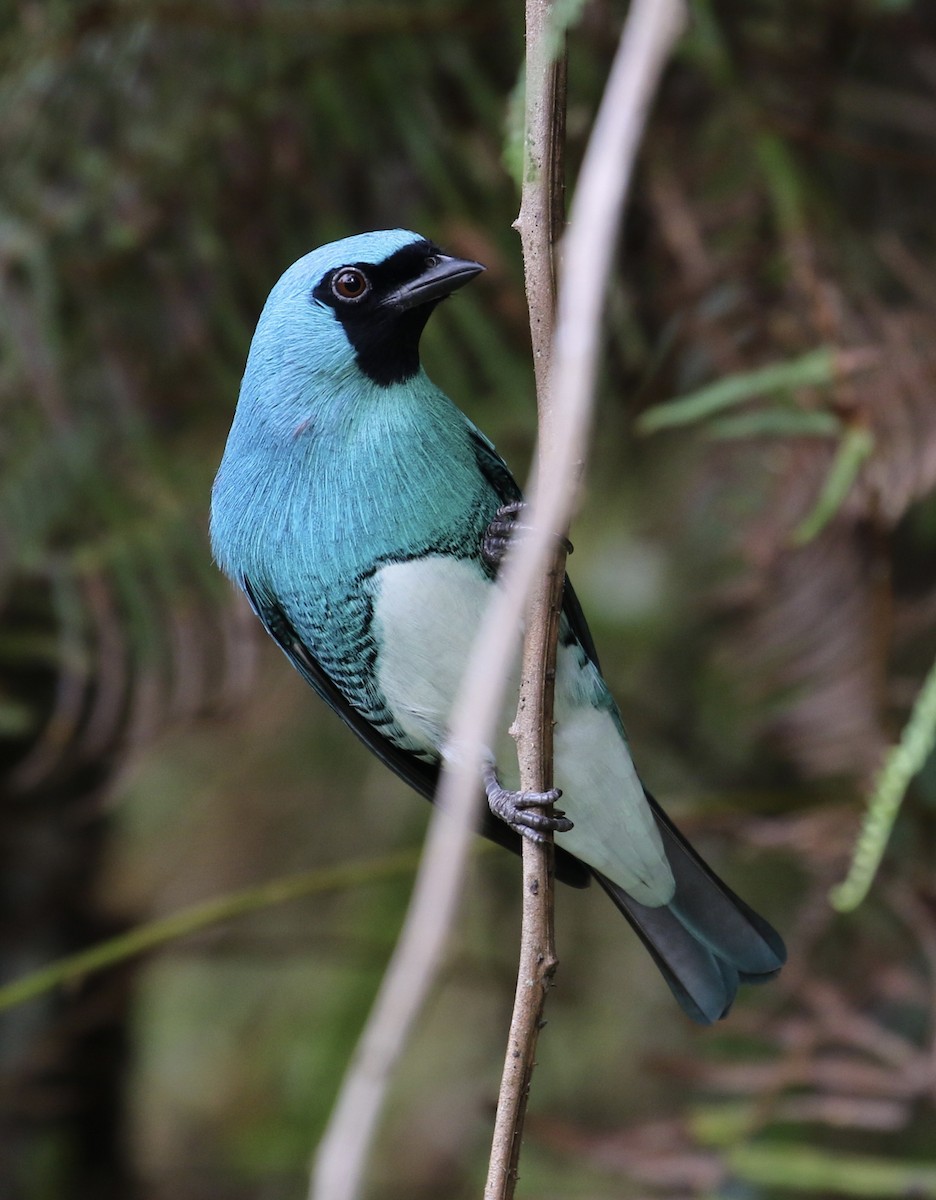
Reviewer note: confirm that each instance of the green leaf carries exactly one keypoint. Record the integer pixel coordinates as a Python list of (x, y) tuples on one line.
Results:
[(810, 370), (903, 761), (854, 448), (802, 1168), (777, 422), (201, 916)]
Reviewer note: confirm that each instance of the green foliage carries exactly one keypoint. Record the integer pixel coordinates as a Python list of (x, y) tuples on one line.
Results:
[(854, 449), (816, 367), (902, 763), (144, 938), (805, 1169)]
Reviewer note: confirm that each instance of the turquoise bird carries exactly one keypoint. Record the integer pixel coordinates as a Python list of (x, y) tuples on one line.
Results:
[(365, 517)]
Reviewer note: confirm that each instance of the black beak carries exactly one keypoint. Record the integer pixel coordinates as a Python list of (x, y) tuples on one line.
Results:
[(445, 275)]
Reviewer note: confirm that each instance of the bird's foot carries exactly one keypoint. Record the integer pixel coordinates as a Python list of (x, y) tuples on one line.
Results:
[(503, 527), (519, 809)]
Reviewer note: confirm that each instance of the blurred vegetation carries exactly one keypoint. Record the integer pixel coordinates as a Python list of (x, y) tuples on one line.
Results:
[(759, 572)]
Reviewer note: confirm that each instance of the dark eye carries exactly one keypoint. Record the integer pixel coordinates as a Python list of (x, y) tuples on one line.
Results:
[(350, 284)]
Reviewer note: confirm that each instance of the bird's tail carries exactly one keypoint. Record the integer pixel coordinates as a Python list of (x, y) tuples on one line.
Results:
[(706, 940)]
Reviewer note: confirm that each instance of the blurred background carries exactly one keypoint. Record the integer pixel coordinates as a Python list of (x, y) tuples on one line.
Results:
[(162, 163)]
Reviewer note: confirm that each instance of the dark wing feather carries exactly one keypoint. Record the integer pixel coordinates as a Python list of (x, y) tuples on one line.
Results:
[(494, 469), (420, 775), (505, 487), (715, 914), (572, 611)]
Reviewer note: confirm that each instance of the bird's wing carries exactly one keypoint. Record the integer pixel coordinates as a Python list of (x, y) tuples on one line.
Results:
[(415, 771), (493, 468), (421, 775), (505, 487)]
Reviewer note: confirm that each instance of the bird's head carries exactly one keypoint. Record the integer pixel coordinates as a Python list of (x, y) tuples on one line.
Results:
[(340, 329), (357, 305)]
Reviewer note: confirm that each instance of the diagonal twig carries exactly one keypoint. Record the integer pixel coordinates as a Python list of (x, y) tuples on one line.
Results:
[(651, 27), (565, 395)]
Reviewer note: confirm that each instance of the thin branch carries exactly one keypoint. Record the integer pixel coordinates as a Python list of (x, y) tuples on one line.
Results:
[(187, 921), (565, 402), (539, 224), (651, 27), (541, 220), (338, 1170)]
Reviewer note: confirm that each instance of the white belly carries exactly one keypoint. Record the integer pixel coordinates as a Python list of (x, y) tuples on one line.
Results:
[(426, 613)]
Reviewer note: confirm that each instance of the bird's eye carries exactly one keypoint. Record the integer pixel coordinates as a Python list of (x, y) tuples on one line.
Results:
[(432, 260), (350, 284)]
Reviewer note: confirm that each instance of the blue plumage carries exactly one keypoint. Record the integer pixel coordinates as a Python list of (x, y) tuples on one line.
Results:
[(352, 505)]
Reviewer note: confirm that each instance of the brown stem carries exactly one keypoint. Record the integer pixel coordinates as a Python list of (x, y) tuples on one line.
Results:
[(565, 376), (539, 224)]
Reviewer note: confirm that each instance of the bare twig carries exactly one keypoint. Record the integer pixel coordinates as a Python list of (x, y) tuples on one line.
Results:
[(540, 225), (565, 403), (651, 27)]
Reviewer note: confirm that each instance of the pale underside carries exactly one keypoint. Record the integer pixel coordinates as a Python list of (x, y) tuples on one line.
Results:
[(426, 612)]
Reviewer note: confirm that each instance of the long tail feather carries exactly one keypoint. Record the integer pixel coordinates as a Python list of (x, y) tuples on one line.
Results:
[(706, 940)]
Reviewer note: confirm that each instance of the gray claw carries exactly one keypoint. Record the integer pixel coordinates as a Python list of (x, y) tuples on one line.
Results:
[(503, 528), (518, 809)]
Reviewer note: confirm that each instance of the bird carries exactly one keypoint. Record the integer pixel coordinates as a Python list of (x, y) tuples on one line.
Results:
[(365, 517)]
